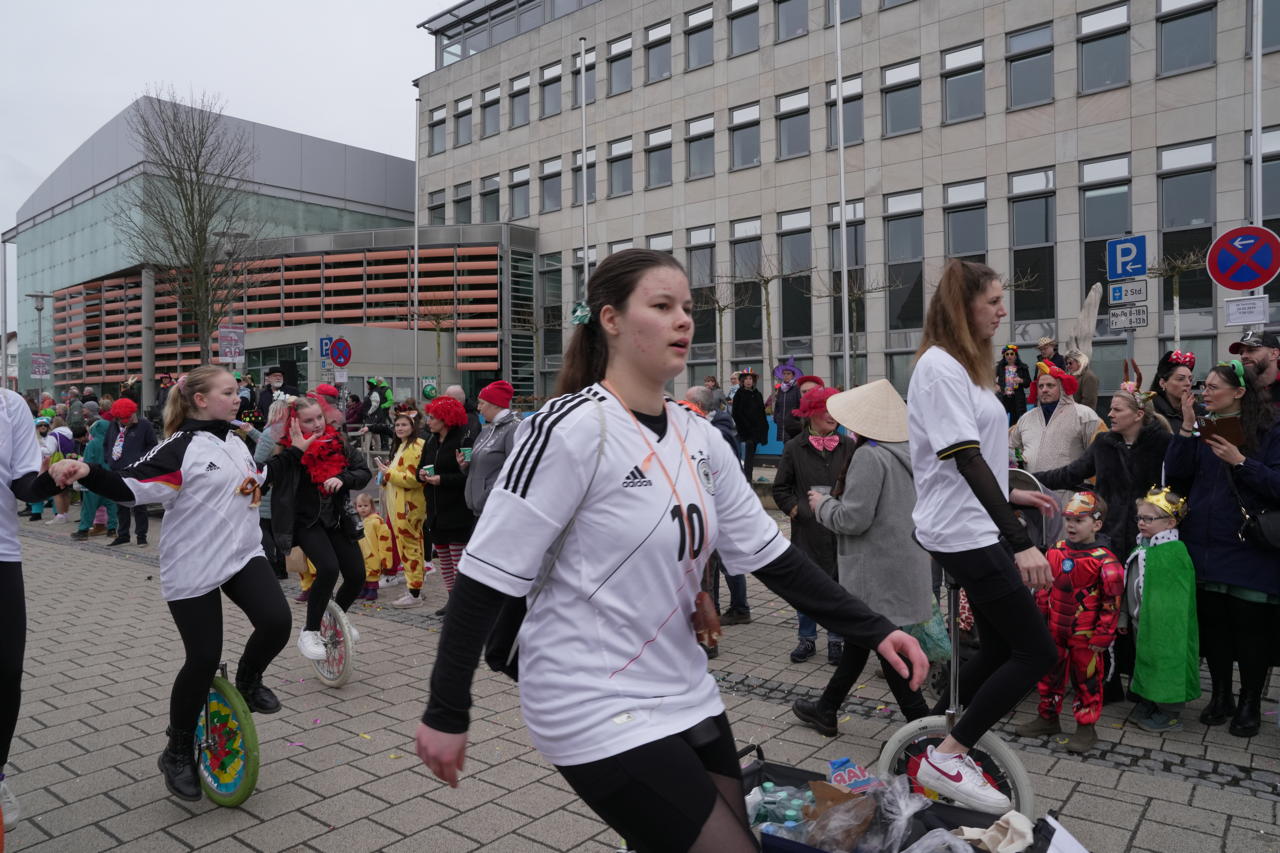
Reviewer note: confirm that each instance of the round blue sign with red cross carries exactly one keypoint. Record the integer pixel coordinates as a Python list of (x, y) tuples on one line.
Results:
[(1244, 258), (340, 352)]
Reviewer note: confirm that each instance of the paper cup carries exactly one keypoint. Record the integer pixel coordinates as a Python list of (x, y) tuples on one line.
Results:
[(466, 454), (822, 490), (430, 469)]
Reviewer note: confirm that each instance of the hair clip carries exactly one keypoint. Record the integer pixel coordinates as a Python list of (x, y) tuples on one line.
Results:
[(1236, 365), (1186, 359), (581, 314), (182, 382)]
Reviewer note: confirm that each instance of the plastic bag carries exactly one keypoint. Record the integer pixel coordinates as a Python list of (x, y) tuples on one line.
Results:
[(839, 828), (933, 637), (939, 841), (895, 806)]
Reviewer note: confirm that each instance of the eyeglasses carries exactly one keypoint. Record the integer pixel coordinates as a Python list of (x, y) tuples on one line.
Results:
[(1151, 519)]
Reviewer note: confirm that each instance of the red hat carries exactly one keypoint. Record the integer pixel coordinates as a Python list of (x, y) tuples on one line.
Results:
[(326, 389), (814, 402), (817, 379), (498, 394), (1043, 368), (123, 409), (448, 410)]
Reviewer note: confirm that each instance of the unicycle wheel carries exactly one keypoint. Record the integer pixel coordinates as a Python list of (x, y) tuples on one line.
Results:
[(339, 652), (227, 758), (998, 762)]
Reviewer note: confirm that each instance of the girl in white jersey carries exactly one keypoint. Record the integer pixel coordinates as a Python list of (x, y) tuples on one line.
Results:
[(959, 452), (613, 685)]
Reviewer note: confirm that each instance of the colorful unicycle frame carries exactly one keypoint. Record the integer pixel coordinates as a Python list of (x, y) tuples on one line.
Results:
[(226, 742)]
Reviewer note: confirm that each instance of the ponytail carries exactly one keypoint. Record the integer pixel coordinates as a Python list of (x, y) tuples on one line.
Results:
[(180, 404)]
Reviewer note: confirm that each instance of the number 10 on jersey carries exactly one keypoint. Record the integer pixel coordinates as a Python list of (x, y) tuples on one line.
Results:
[(693, 532)]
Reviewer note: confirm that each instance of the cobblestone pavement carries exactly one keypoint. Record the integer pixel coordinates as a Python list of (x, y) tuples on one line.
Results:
[(339, 771)]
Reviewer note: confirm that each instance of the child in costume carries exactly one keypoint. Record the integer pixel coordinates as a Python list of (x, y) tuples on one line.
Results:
[(1083, 608), (1161, 595), (375, 545)]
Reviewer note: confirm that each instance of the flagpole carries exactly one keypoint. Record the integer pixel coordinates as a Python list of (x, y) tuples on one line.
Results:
[(841, 207)]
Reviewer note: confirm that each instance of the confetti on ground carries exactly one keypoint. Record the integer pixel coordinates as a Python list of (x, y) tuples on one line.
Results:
[(860, 686), (394, 755), (296, 743), (846, 718), (315, 721), (365, 736), (1268, 713), (1117, 725)]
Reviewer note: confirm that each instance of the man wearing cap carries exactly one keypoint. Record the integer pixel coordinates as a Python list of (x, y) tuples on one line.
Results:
[(128, 439), (1057, 431), (1048, 348), (272, 388), (1261, 351)]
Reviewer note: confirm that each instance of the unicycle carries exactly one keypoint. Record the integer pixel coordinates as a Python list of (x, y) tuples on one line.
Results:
[(339, 650), (226, 744)]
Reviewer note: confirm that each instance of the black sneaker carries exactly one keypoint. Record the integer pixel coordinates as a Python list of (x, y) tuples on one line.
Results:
[(735, 617), (804, 650), (80, 535), (119, 540), (142, 541), (33, 518), (814, 715), (835, 651)]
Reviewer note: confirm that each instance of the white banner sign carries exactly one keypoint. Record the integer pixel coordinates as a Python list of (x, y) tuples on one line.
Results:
[(1247, 311), (231, 342), (41, 365)]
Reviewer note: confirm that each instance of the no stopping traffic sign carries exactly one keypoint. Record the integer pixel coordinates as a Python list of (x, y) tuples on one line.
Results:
[(1244, 258), (340, 352)]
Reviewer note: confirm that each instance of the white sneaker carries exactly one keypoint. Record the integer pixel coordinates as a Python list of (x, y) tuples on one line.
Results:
[(310, 646), (407, 600), (958, 778), (9, 805), (384, 582), (59, 518)]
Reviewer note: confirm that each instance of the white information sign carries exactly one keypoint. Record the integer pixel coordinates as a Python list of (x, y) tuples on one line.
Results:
[(1127, 317), (1247, 311)]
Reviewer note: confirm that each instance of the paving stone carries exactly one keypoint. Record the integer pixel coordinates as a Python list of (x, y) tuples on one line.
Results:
[(1107, 811), (437, 838), (1202, 820), (1230, 803), (561, 830), (487, 823), (335, 780), (88, 839), (345, 808), (362, 836), (272, 802), (408, 784), (80, 812), (1096, 836), (150, 818), (1178, 791), (282, 833), (1174, 839)]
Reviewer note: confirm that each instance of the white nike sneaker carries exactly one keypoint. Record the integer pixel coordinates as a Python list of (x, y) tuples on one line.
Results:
[(407, 600), (310, 646), (9, 805), (958, 778)]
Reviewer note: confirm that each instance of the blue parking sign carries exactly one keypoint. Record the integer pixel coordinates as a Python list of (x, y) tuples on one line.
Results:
[(1126, 257)]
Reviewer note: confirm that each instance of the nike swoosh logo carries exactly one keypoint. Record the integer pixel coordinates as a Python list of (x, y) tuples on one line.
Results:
[(954, 777)]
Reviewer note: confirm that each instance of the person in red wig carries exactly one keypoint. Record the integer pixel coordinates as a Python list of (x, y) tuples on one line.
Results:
[(449, 522)]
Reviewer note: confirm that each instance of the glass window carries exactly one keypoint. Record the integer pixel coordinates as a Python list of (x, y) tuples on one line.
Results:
[(855, 239), (619, 167), (1187, 200), (462, 123), (967, 233), (748, 316), (744, 137), (1188, 41), (657, 158), (435, 207), (905, 283), (701, 263), (1032, 220), (1032, 279), (793, 125), (462, 204), (699, 40), (657, 53), (1106, 211), (520, 108), (435, 131), (1270, 24), (744, 33), (620, 66), (700, 154), (902, 110), (791, 18), (889, 4), (551, 278), (590, 82), (795, 254), (518, 193), (1030, 80), (659, 242), (549, 90), (852, 112), (489, 201), (1104, 62), (963, 95), (849, 9), (591, 176), (549, 186), (490, 119), (1195, 288)]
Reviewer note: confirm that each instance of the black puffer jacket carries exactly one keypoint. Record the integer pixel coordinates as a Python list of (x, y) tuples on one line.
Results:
[(749, 417), (296, 500), (448, 518), (1123, 474), (801, 467)]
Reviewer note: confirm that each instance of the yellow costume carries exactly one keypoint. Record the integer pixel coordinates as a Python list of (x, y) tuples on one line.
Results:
[(375, 545), (407, 510)]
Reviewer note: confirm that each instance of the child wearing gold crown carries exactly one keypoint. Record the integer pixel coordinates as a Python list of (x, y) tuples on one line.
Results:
[(1083, 609), (1161, 595)]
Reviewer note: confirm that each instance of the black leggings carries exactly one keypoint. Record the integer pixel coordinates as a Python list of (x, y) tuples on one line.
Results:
[(1016, 649), (255, 590), (749, 459), (679, 793), (13, 644), (1233, 630), (331, 552), (852, 661)]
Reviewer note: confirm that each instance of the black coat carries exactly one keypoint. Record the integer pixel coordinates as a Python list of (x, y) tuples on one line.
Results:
[(1015, 403), (138, 439), (749, 417), (801, 467), (448, 518), (295, 498), (784, 403), (1123, 474)]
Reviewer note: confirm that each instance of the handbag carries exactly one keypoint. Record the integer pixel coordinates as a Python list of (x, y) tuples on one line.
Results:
[(1260, 528), (933, 637), (501, 648)]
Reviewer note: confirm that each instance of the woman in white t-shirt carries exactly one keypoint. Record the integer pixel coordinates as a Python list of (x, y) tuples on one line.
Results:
[(613, 686), (959, 451)]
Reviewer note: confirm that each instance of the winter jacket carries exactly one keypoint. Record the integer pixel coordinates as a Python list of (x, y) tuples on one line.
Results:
[(879, 561), (1055, 443), (1171, 414), (784, 403), (138, 439), (449, 521), (749, 417), (1015, 402), (488, 454), (723, 421), (267, 396), (95, 451), (299, 501), (1087, 394), (263, 450), (1123, 474), (801, 467), (1213, 515)]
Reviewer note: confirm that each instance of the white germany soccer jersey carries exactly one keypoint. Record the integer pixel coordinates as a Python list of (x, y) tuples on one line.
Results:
[(608, 657)]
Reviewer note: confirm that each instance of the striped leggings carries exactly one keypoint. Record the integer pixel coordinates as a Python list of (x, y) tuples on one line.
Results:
[(447, 559)]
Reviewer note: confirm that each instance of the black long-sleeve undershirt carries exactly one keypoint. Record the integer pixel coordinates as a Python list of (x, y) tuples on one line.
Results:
[(108, 483), (473, 610), (33, 488), (982, 481)]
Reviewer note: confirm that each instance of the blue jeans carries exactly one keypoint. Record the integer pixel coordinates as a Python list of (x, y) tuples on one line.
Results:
[(808, 630)]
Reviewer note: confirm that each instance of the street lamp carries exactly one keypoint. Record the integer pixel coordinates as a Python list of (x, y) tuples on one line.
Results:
[(39, 299)]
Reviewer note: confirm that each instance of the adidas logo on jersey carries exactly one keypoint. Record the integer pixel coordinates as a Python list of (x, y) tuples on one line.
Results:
[(212, 467), (635, 478)]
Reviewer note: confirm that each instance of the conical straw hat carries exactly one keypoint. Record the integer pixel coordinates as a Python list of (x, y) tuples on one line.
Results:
[(873, 411)]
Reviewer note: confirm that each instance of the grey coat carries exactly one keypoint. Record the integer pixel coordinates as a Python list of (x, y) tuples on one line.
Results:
[(262, 451), (489, 453), (878, 560)]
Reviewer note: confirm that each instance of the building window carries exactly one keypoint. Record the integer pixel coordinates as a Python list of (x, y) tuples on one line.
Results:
[(901, 93), (462, 122), (700, 147), (660, 242), (1031, 234), (791, 19), (1187, 219), (549, 186), (549, 89), (657, 52), (700, 261), (1270, 25), (657, 158), (963, 92), (1105, 214), (849, 9), (904, 237), (462, 203), (619, 167), (855, 242), (551, 279), (744, 27), (489, 199), (852, 111), (795, 264), (518, 193), (793, 125), (435, 207), (591, 79), (1187, 41), (490, 111), (699, 39), (435, 131), (620, 66), (966, 221), (744, 136), (889, 4), (1104, 49), (1030, 66), (591, 176), (748, 294), (520, 101)]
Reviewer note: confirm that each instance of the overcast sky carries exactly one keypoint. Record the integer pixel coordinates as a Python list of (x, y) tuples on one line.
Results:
[(337, 70)]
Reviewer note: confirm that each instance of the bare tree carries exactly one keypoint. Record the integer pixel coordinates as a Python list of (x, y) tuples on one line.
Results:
[(722, 296), (188, 214), (753, 287), (859, 288), (1174, 267)]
